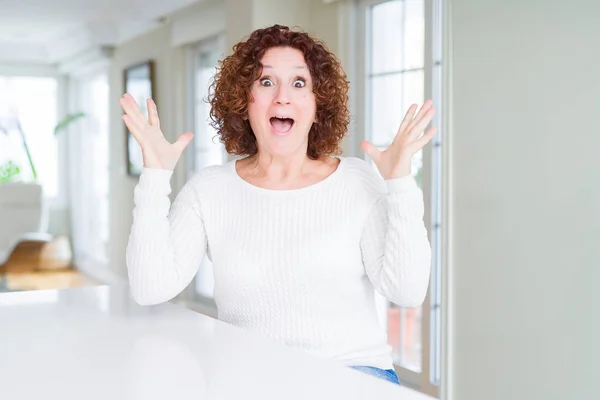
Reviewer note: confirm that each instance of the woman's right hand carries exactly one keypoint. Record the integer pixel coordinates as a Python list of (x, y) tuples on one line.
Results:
[(157, 151)]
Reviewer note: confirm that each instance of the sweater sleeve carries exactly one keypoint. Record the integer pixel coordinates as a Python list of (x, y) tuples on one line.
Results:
[(166, 243), (395, 248)]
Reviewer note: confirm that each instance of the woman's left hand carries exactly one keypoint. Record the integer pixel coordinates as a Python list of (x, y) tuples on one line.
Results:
[(395, 161)]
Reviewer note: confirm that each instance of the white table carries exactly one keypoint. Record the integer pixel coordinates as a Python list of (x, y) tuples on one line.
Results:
[(95, 343)]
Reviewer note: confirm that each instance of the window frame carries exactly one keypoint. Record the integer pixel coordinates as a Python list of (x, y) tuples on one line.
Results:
[(192, 299), (214, 43), (432, 181)]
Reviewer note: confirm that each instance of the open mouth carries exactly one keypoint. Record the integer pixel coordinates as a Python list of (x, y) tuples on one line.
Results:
[(281, 124)]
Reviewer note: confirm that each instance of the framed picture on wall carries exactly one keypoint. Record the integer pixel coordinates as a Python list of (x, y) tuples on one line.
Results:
[(138, 80)]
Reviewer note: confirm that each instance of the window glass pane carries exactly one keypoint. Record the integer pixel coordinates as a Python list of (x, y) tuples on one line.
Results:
[(89, 160), (209, 150), (413, 93), (404, 335), (205, 134), (99, 110), (391, 96), (397, 36), (205, 279), (139, 85), (206, 157), (32, 103), (386, 108), (386, 34), (413, 89), (417, 168), (414, 34)]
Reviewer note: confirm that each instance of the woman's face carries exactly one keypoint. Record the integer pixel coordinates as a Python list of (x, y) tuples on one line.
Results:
[(282, 109)]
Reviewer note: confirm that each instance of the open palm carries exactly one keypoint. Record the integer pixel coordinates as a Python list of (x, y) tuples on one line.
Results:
[(395, 161), (157, 151)]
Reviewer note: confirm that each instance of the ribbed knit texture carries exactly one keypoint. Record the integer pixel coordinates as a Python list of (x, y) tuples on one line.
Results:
[(300, 266)]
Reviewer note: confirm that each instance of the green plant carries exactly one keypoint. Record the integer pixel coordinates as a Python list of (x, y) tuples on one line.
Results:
[(66, 121), (62, 125), (9, 171)]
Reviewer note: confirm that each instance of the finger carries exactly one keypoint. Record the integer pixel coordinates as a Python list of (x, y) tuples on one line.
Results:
[(421, 124), (407, 119), (423, 140), (183, 140), (153, 113), (132, 109), (426, 106), (371, 150), (132, 126)]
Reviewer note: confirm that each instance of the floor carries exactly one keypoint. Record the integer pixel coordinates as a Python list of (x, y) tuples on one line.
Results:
[(38, 266), (39, 280)]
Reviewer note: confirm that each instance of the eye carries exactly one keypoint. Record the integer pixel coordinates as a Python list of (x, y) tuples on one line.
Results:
[(299, 83), (266, 82)]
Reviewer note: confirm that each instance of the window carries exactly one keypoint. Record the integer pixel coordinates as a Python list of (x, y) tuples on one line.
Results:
[(206, 149), (402, 66), (90, 175), (204, 59), (31, 103)]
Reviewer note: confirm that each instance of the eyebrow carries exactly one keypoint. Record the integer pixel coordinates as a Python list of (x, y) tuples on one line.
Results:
[(271, 67)]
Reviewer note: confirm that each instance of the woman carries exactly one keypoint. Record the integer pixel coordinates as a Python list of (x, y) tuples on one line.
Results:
[(299, 236)]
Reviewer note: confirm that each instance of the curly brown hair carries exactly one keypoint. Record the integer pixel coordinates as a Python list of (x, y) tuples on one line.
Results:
[(229, 93)]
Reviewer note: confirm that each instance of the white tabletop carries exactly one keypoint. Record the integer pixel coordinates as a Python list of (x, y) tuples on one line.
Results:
[(95, 343)]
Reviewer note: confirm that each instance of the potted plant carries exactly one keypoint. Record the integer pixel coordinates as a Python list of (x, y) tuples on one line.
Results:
[(9, 171)]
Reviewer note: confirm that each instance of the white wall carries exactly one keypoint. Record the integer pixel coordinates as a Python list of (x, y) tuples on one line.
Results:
[(243, 16), (525, 199)]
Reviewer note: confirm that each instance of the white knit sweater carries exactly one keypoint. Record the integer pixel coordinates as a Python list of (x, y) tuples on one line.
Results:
[(300, 266)]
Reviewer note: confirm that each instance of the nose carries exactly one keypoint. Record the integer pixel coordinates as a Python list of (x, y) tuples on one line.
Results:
[(282, 96)]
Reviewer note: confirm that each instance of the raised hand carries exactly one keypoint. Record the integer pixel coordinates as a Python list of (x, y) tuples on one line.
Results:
[(158, 152), (395, 161)]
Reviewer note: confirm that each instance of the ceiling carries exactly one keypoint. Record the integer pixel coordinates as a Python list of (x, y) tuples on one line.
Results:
[(52, 31)]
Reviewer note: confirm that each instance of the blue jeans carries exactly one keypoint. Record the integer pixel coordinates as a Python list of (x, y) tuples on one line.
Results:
[(385, 374)]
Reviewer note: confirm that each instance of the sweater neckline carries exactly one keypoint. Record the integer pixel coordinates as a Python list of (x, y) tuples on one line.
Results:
[(314, 186)]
